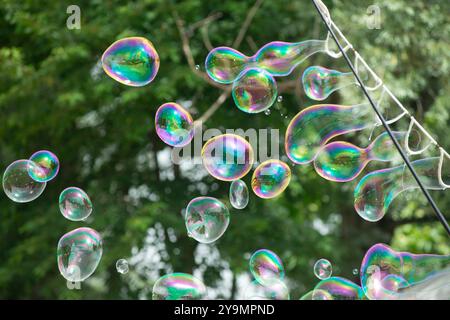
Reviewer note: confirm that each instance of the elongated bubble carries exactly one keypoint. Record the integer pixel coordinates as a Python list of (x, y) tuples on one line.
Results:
[(18, 185), (266, 267), (239, 195), (79, 253), (206, 219), (174, 125), (387, 274), (178, 286), (342, 161), (227, 157), (271, 178), (340, 289), (376, 190), (131, 61), (312, 127), (254, 91), (224, 64), (319, 82)]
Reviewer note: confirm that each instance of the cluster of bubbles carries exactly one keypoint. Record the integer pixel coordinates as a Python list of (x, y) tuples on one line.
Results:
[(178, 286), (268, 272), (254, 86)]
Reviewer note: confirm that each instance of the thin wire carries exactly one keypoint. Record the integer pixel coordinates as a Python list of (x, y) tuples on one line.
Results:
[(435, 208)]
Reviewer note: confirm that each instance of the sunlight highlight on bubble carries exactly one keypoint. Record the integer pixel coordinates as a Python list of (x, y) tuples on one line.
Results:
[(323, 269), (341, 161), (48, 166), (18, 185), (340, 289), (227, 157), (206, 219), (224, 64), (266, 267), (79, 253), (313, 127), (271, 178), (132, 61), (319, 82), (75, 204), (174, 125), (239, 195), (254, 91), (178, 286), (277, 290), (376, 190)]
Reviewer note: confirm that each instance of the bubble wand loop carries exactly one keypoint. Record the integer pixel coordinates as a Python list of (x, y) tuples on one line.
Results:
[(325, 16)]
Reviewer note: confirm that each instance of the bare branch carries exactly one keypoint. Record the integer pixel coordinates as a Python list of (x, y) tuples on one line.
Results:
[(214, 107), (250, 15), (252, 43)]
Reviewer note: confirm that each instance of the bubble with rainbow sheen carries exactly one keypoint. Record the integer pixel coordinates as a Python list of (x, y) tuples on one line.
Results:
[(323, 269), (18, 185), (271, 178), (239, 196), (266, 267), (319, 82), (131, 61), (79, 253), (206, 219), (317, 295), (386, 273), (254, 91), (340, 289), (227, 157), (47, 163), (224, 64), (277, 290), (174, 125), (75, 204), (178, 286)]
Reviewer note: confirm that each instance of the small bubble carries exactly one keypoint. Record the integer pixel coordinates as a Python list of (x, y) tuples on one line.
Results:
[(197, 67), (280, 99), (122, 266), (355, 272), (267, 112)]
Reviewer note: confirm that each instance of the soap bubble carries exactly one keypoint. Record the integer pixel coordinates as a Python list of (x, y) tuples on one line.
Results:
[(266, 267), (271, 178), (206, 219), (227, 157), (254, 91), (340, 289), (178, 286), (174, 125), (122, 266), (18, 184), (320, 82), (277, 290), (131, 61), (79, 253), (47, 164), (239, 194), (322, 269), (317, 295), (75, 204)]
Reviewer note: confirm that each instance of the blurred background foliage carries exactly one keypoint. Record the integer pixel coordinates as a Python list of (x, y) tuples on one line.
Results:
[(54, 95)]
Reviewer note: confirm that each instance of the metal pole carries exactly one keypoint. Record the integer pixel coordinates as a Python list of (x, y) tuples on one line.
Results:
[(427, 195)]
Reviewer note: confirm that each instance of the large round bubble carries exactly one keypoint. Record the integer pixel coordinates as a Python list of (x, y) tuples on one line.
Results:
[(266, 267), (79, 253), (75, 204), (271, 178), (206, 219), (174, 125), (227, 157), (18, 185)]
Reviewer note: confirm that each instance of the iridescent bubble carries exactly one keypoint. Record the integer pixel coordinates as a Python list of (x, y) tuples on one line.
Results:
[(271, 178), (178, 286), (313, 127), (320, 82), (174, 125), (340, 289), (342, 161), (277, 290), (266, 267), (386, 273), (376, 190), (206, 219), (317, 295), (131, 61), (47, 164), (224, 64), (323, 269), (227, 157), (75, 204), (79, 253), (18, 184), (239, 196), (122, 266), (254, 91)]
